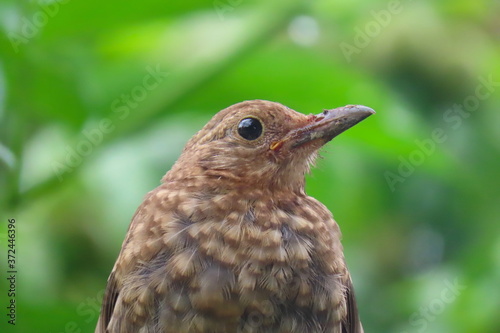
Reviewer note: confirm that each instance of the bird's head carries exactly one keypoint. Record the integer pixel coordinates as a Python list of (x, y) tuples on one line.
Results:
[(262, 144)]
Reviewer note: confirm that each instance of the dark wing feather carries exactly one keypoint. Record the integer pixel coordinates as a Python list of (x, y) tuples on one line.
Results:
[(351, 324), (112, 292), (108, 304)]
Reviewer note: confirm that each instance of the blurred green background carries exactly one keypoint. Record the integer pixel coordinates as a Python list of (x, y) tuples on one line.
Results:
[(97, 99)]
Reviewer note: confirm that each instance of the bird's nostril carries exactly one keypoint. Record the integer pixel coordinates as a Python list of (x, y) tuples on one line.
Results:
[(321, 116)]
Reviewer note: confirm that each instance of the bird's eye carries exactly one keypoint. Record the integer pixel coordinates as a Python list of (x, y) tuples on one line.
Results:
[(250, 128)]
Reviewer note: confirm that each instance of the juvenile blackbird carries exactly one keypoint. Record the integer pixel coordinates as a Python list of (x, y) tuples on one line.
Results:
[(230, 242)]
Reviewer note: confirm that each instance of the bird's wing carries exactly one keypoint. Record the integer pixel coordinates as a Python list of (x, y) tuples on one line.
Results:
[(108, 304), (352, 323), (113, 288)]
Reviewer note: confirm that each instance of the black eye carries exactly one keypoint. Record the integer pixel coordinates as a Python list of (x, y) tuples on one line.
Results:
[(250, 128)]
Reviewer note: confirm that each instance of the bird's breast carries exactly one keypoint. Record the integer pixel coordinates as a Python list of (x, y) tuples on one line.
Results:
[(227, 258)]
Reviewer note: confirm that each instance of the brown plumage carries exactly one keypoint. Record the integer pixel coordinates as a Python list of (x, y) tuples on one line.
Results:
[(230, 242)]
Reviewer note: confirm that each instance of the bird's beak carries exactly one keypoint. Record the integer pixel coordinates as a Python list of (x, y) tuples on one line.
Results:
[(323, 127)]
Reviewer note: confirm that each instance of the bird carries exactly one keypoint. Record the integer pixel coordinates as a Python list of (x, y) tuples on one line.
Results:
[(230, 242)]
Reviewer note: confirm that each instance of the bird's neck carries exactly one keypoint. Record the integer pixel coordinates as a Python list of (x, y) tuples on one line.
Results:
[(224, 181)]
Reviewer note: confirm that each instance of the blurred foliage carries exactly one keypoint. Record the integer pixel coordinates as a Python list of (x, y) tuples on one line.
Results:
[(423, 249)]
